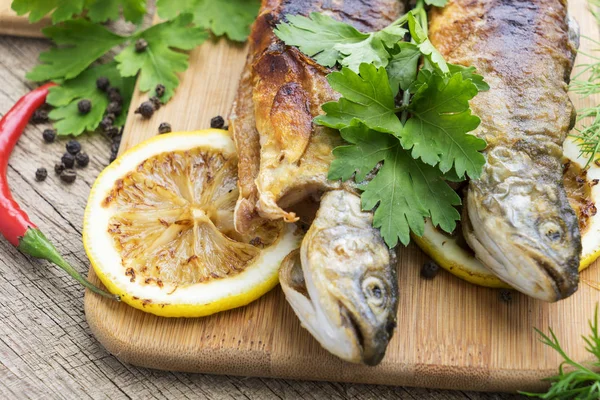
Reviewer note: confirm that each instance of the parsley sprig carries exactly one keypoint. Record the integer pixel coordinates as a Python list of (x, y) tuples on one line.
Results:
[(574, 380), (405, 114), (81, 40)]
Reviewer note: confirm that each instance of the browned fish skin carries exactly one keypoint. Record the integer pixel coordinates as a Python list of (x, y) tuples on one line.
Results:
[(522, 49), (280, 93)]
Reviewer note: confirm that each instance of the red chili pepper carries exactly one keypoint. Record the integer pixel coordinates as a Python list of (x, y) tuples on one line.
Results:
[(15, 225)]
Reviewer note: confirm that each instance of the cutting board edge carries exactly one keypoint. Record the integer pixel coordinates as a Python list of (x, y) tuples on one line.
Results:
[(14, 25), (215, 361)]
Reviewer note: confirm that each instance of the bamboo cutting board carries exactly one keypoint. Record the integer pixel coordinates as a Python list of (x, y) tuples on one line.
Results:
[(450, 334), (12, 24)]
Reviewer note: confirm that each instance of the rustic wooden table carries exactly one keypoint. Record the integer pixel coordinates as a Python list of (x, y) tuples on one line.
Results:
[(46, 348)]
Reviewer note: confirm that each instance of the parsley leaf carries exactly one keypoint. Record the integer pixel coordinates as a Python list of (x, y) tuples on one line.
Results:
[(437, 3), (81, 43), (419, 35), (61, 10), (223, 17), (469, 73), (404, 191), (103, 10), (160, 62), (403, 66), (329, 41), (318, 36), (366, 97), (66, 96), (438, 130)]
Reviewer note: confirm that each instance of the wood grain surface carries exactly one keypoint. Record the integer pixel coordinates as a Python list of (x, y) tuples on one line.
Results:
[(450, 334), (47, 350), (12, 24)]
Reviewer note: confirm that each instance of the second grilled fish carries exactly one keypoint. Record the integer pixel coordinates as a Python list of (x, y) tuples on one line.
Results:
[(517, 217)]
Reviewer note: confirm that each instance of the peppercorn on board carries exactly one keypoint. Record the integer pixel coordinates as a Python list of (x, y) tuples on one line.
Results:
[(450, 334), (14, 25)]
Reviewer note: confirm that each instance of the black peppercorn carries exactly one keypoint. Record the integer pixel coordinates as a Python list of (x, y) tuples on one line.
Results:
[(39, 117), (217, 122), (114, 107), (164, 127), (106, 123), (160, 90), (68, 160), (41, 174), (84, 106), (112, 131), (156, 101), (103, 83), (49, 135), (73, 147), (59, 168), (146, 109), (429, 270), (140, 45), (68, 176), (114, 94), (505, 295), (82, 159)]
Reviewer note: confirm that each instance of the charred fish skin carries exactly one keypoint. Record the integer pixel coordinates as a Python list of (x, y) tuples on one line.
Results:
[(517, 216), (283, 156), (346, 295)]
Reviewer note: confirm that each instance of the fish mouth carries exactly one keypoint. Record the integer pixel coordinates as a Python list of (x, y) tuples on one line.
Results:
[(372, 350), (535, 274), (341, 334)]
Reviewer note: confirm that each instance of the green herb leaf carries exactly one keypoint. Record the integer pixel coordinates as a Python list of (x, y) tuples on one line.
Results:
[(404, 191), (403, 66), (223, 17), (66, 96), (318, 36), (469, 73), (438, 130), (419, 35), (437, 3), (160, 62), (103, 10), (81, 43), (366, 97), (579, 381), (62, 10), (329, 41)]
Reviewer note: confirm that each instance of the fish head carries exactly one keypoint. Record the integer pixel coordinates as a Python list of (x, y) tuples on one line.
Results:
[(350, 299), (521, 226)]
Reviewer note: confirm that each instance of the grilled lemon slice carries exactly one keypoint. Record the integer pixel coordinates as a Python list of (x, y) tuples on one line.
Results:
[(452, 253), (158, 229)]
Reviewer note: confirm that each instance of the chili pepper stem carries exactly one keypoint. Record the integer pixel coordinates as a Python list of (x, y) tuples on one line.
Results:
[(35, 244)]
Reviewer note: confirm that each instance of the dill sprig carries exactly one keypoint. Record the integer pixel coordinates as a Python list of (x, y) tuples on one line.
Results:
[(580, 381), (589, 134)]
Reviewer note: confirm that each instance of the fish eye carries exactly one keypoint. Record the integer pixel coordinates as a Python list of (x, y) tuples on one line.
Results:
[(374, 291), (551, 230)]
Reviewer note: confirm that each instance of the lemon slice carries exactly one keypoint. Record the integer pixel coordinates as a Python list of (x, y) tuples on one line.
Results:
[(452, 253), (158, 229)]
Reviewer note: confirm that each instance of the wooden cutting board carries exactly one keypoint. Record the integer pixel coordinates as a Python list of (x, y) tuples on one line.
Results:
[(450, 334), (14, 25)]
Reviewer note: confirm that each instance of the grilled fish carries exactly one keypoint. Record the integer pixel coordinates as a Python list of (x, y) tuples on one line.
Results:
[(517, 217), (283, 162), (342, 284)]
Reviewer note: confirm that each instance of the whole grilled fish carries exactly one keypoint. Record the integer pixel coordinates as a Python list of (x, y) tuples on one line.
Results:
[(517, 217), (283, 163), (342, 284)]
